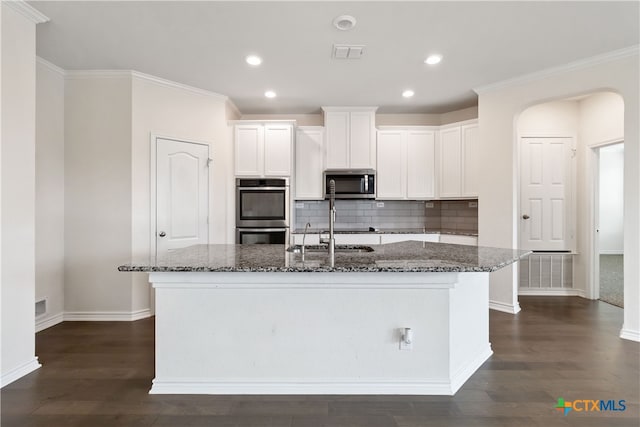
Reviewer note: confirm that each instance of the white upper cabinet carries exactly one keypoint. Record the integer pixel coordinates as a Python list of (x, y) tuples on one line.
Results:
[(458, 167), (309, 163), (406, 164), (450, 162), (350, 137), (421, 164), (391, 174), (263, 149), (470, 160)]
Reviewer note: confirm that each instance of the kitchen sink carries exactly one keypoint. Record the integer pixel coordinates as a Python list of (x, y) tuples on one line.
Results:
[(322, 248)]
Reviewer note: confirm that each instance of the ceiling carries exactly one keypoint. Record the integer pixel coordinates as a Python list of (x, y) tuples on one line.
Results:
[(204, 44)]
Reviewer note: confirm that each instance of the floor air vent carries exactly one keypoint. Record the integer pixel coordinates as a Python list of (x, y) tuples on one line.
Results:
[(546, 272)]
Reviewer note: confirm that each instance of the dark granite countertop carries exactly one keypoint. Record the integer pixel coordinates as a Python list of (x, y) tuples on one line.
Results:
[(410, 256)]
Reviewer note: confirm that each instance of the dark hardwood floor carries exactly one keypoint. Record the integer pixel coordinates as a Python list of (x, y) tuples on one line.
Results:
[(98, 374)]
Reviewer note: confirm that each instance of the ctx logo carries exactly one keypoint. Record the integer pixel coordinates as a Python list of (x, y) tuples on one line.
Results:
[(587, 405)]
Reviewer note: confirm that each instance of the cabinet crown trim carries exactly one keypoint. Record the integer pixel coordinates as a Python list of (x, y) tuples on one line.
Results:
[(349, 109)]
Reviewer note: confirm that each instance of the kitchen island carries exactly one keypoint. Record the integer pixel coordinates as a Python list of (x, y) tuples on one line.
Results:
[(257, 319)]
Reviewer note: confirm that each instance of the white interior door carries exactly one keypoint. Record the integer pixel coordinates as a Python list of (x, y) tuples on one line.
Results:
[(546, 212), (182, 194)]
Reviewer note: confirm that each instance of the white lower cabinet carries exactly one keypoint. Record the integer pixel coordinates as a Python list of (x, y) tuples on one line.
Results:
[(358, 239), (459, 240), (394, 238)]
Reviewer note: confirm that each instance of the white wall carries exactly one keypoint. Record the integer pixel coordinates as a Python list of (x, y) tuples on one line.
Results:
[(18, 195), (184, 114), (499, 108), (557, 118), (97, 194), (604, 118), (49, 206), (611, 227)]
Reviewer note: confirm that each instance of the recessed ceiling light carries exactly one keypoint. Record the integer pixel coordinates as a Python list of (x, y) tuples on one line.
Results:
[(344, 22), (270, 94), (253, 60), (433, 59), (408, 93)]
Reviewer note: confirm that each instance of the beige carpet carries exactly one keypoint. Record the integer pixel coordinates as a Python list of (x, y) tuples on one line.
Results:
[(611, 279)]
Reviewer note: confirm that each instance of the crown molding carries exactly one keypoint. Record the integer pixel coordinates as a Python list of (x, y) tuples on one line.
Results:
[(97, 74), (169, 83), (26, 10), (51, 66), (571, 66), (233, 107)]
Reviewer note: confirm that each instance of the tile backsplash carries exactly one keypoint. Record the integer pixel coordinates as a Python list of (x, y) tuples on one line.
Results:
[(450, 215), (358, 214)]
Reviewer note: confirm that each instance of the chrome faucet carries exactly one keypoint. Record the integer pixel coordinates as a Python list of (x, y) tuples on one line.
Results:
[(332, 220), (304, 236)]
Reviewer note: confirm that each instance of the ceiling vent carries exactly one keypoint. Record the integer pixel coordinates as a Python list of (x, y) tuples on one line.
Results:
[(343, 51)]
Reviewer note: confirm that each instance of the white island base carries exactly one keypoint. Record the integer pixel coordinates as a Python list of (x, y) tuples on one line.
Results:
[(318, 333)]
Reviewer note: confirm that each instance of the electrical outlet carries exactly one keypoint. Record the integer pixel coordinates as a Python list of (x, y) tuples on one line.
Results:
[(299, 205), (473, 204), (380, 204), (428, 205), (406, 339)]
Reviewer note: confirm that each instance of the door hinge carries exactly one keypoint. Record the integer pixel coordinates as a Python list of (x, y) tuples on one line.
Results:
[(209, 160), (573, 153)]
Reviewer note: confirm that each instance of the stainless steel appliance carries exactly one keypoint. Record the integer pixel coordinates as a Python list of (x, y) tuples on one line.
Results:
[(351, 184), (251, 236), (262, 210)]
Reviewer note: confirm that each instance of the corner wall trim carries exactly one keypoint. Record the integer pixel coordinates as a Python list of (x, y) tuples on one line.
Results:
[(629, 334), (49, 321), (50, 65), (107, 316), (19, 371), (28, 11), (505, 308)]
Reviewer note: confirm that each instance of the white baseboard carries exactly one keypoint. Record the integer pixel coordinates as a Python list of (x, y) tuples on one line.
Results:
[(49, 321), (612, 252), (629, 334), (551, 292), (301, 386), (465, 372), (323, 386), (107, 316), (505, 308), (19, 371)]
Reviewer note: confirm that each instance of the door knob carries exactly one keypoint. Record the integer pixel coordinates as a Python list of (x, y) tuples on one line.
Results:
[(162, 234), (525, 216)]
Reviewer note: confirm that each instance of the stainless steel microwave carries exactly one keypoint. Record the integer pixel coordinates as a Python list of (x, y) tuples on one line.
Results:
[(351, 184)]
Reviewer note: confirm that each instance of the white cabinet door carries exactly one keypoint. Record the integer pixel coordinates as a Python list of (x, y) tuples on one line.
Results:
[(469, 160), (358, 239), (249, 150), (393, 238), (337, 139), (459, 240), (309, 163), (362, 140), (421, 164), (391, 171), (450, 162), (277, 150)]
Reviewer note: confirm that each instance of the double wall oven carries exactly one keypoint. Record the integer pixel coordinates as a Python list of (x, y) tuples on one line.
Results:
[(262, 210)]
